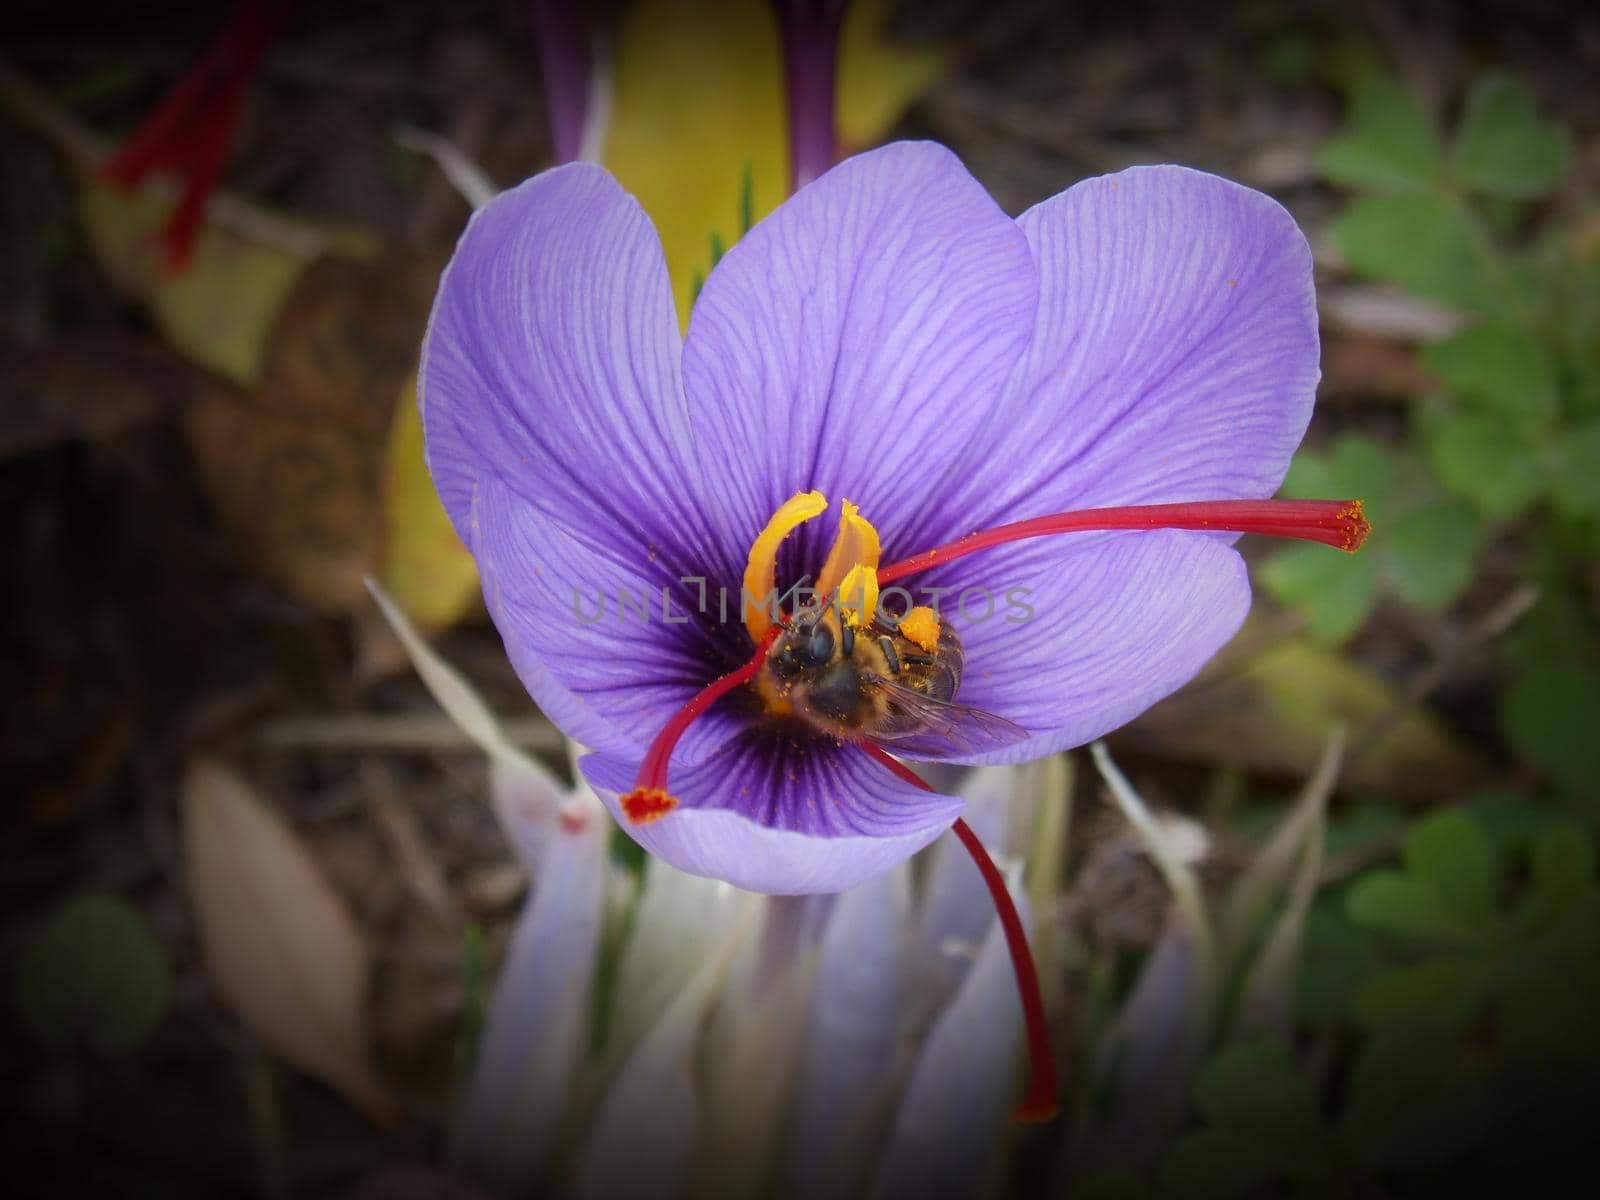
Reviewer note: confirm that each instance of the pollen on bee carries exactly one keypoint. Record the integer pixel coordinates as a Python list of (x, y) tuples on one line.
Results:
[(643, 805), (920, 626)]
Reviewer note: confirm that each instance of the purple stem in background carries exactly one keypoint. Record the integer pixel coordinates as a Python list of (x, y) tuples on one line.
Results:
[(810, 30), (561, 41)]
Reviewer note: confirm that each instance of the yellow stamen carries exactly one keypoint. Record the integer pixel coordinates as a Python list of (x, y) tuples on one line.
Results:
[(761, 573), (858, 595), (851, 570), (921, 627)]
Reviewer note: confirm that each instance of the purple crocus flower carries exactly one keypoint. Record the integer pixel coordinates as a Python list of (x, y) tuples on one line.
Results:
[(1131, 363), (888, 335)]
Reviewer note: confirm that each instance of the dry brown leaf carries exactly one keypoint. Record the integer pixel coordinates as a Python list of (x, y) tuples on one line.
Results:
[(279, 944), (294, 466), (1270, 710)]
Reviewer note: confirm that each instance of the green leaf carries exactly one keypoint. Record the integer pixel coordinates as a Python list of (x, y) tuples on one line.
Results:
[(1264, 1125), (1450, 853), (1500, 367), (1254, 1088), (1562, 867), (1334, 591), (1446, 892), (1447, 991), (1361, 827), (1216, 1164), (1340, 957), (1574, 460), (1484, 460), (1357, 466), (1400, 904), (1510, 820), (1430, 552), (1408, 1103), (1504, 147), (1426, 242), (1551, 713), (1390, 143), (94, 974)]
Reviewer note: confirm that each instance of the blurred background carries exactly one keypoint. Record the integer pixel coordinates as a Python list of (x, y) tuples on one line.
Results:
[(1335, 927)]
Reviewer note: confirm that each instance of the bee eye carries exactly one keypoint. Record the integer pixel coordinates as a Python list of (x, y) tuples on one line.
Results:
[(819, 646)]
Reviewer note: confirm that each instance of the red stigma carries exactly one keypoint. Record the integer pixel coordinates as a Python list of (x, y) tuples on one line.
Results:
[(1338, 523), (191, 131), (650, 800), (1039, 1104)]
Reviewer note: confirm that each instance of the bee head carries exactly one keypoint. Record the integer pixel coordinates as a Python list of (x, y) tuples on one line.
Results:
[(806, 647)]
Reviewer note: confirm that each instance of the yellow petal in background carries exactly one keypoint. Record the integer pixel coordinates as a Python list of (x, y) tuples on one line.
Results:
[(878, 79), (699, 108), (699, 115), (220, 311), (424, 565)]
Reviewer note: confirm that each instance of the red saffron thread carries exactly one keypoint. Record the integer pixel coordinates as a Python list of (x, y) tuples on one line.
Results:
[(1040, 1102), (650, 800), (1338, 523), (191, 131)]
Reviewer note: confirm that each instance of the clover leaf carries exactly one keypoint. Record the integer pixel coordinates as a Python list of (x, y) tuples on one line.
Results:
[(1390, 143), (1409, 1104), (1535, 961), (1262, 1125), (94, 975), (1428, 243), (1424, 547), (1499, 368), (1503, 147)]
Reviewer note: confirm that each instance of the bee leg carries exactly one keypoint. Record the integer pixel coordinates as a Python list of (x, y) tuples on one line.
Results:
[(886, 644), (847, 639), (919, 660)]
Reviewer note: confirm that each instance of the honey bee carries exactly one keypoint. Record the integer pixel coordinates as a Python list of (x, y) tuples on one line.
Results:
[(874, 684)]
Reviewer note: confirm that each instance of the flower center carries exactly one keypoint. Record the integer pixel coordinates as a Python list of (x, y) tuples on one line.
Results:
[(852, 571)]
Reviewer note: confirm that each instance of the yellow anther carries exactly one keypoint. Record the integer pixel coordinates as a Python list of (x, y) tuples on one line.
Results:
[(761, 572), (858, 595), (921, 627), (856, 545)]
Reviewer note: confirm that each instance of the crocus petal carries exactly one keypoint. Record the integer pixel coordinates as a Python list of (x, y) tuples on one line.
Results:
[(783, 818), (1149, 1060), (679, 921), (945, 1135), (956, 910), (1118, 621), (857, 1012), (1174, 356), (856, 340), (538, 1020), (551, 365), (642, 1139), (569, 610)]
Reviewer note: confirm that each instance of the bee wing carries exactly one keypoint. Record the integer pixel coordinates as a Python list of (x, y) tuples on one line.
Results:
[(966, 729)]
